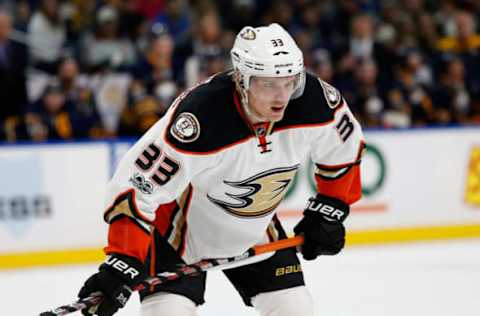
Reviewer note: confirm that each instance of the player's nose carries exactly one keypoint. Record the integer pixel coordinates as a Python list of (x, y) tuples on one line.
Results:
[(282, 96)]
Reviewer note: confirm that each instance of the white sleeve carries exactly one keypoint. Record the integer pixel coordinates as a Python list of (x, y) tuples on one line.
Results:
[(336, 152), (340, 141)]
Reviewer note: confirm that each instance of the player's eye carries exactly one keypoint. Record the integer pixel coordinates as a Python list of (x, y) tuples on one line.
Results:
[(291, 84)]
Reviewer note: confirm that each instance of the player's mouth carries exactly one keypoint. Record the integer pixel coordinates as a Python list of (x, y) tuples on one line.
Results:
[(277, 109)]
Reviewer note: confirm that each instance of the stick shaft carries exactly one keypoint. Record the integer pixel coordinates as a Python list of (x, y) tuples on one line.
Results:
[(186, 270), (279, 244)]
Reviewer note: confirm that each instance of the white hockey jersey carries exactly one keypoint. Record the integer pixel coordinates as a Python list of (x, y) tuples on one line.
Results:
[(209, 181)]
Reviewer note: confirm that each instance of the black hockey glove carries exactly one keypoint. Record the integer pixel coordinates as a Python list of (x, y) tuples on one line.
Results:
[(114, 280), (322, 226)]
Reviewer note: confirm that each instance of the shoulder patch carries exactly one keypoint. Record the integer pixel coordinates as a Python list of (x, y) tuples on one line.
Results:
[(185, 128), (332, 95)]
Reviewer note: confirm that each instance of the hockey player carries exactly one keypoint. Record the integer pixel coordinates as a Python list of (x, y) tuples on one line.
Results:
[(205, 180)]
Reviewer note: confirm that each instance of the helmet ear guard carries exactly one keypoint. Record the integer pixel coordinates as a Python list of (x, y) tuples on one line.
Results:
[(267, 51)]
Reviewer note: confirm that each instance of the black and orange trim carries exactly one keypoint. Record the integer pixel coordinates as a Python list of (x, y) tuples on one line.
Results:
[(171, 220), (223, 123), (125, 205), (338, 167), (347, 185)]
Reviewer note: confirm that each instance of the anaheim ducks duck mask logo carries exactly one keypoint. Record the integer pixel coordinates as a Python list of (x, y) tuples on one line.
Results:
[(261, 193), (248, 34)]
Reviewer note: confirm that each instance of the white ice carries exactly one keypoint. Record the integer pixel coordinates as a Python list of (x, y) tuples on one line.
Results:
[(441, 279)]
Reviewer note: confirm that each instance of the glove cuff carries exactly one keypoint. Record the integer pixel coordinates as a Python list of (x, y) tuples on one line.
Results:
[(331, 209), (130, 269)]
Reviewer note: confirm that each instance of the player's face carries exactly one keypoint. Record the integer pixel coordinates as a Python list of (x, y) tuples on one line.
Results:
[(268, 96)]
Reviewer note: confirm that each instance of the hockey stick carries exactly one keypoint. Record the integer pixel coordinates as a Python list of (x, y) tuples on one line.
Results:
[(186, 270)]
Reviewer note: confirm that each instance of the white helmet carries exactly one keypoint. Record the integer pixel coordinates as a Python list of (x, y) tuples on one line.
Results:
[(267, 51)]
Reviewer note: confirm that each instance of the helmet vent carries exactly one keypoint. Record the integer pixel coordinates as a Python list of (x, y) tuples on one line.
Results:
[(256, 66), (252, 63)]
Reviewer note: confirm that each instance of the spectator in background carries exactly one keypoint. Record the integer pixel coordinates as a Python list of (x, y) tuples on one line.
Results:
[(174, 19), (444, 17), (238, 13), (451, 97), (466, 45), (363, 94), (389, 41), (81, 18), (130, 22), (322, 65), (409, 102), (360, 45), (152, 89), (13, 61), (47, 36), (414, 63), (465, 39), (68, 77), (413, 9), (105, 49), (150, 9), (362, 40), (305, 42), (84, 116), (343, 12), (427, 35), (400, 45), (49, 118), (226, 41), (281, 12), (22, 16), (311, 22), (204, 42)]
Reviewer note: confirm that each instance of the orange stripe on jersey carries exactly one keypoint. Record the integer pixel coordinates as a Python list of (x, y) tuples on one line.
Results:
[(128, 238), (347, 185), (163, 218), (346, 188)]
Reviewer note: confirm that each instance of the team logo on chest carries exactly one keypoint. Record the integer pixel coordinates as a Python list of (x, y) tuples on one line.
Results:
[(259, 195)]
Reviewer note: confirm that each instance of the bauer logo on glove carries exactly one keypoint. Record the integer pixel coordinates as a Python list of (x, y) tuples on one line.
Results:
[(329, 212), (121, 266)]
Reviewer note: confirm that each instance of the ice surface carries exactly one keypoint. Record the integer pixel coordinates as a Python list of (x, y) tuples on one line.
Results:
[(440, 279)]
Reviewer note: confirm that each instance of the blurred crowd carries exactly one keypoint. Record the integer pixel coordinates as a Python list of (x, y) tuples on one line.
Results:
[(76, 69)]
